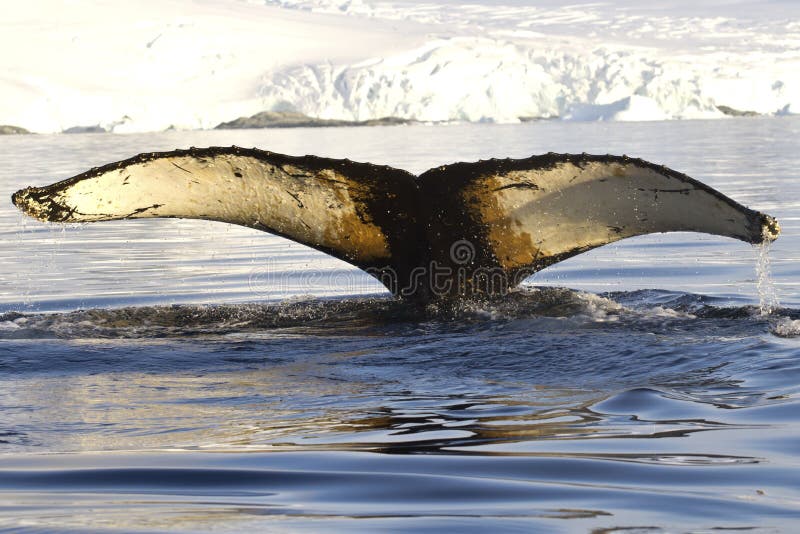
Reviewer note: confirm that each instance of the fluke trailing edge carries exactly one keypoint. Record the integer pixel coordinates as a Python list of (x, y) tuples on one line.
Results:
[(465, 229)]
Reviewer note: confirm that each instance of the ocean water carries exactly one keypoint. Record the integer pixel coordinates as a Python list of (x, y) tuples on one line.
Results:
[(167, 375)]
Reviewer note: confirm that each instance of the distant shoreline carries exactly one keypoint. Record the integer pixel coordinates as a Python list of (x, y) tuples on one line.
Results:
[(7, 129), (288, 119)]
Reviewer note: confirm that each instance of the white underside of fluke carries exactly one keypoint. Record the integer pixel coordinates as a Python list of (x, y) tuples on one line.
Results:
[(571, 207), (312, 208)]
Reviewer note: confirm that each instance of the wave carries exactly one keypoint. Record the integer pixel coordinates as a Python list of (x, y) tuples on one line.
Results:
[(469, 492), (567, 307)]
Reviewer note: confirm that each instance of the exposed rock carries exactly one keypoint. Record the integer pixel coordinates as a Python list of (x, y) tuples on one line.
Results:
[(85, 129), (7, 129), (733, 112), (383, 121), (527, 118), (289, 119)]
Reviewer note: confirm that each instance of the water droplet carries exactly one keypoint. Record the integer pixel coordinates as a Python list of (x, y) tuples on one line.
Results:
[(767, 294)]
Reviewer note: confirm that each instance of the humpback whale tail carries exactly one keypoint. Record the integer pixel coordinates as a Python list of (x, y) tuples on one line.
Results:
[(465, 229)]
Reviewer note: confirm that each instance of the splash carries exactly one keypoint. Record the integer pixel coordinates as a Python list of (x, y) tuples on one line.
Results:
[(767, 294), (786, 327)]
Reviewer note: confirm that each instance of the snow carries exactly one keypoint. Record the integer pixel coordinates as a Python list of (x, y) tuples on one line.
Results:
[(154, 64)]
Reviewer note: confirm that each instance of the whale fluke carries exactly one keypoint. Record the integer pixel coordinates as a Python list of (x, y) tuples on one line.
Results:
[(356, 212), (464, 229)]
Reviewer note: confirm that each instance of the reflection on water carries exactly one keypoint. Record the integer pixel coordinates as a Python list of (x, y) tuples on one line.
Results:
[(151, 379), (547, 364), (566, 407)]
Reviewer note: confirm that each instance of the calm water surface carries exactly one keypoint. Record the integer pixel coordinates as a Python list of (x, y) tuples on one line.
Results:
[(167, 375)]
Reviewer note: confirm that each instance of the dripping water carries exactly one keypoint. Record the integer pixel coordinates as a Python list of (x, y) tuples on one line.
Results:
[(24, 286), (767, 295)]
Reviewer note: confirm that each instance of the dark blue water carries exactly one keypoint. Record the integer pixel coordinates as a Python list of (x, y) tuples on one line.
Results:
[(153, 379)]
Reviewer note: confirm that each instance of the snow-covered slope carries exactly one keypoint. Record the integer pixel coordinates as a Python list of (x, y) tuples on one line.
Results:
[(192, 64), (151, 64), (502, 60)]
